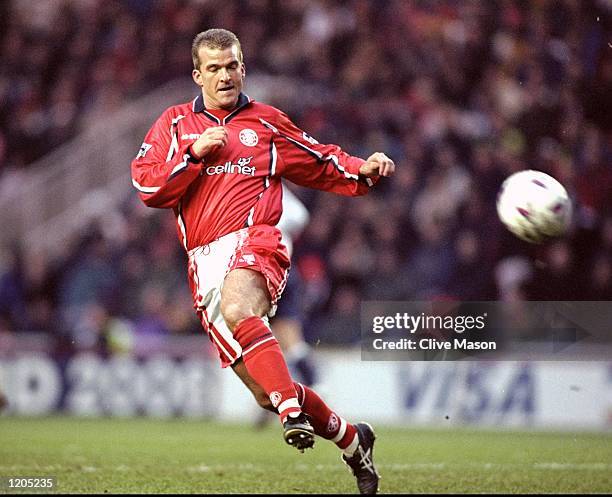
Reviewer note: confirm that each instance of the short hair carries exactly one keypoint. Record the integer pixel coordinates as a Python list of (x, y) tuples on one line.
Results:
[(214, 38)]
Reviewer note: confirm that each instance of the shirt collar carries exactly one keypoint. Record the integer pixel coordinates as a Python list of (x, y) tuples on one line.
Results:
[(198, 103)]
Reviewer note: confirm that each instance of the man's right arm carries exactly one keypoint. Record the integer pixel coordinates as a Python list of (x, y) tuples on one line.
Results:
[(161, 172)]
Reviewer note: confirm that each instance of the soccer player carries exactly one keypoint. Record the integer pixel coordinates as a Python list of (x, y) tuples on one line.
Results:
[(217, 162)]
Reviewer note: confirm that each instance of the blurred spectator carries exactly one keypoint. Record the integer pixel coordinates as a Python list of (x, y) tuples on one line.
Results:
[(511, 276), (430, 266), (601, 278), (341, 324), (385, 283), (12, 296), (470, 277), (555, 278), (92, 278)]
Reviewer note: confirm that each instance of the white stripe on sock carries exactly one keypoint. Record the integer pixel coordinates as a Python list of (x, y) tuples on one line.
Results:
[(288, 404), (341, 432), (350, 450)]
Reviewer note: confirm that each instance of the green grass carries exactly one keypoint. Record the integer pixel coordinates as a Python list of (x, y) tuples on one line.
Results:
[(188, 456)]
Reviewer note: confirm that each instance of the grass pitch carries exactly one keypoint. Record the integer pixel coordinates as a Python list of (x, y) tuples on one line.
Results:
[(189, 456)]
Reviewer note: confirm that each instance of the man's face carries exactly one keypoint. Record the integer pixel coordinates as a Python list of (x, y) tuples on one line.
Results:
[(220, 76)]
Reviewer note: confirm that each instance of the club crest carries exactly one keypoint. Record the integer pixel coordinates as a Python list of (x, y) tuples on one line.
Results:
[(248, 137)]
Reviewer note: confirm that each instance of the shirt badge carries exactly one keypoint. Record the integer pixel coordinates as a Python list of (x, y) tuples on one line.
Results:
[(248, 137)]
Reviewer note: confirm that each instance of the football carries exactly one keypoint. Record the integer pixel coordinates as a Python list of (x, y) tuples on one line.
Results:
[(534, 206)]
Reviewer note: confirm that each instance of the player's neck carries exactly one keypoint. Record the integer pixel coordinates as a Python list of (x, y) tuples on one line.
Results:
[(219, 113)]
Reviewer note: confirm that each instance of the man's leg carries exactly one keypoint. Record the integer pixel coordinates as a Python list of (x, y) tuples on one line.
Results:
[(287, 331), (355, 441), (327, 423), (244, 301), (259, 393), (287, 328)]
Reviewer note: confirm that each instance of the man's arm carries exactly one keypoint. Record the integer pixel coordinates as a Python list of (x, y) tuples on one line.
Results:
[(161, 172), (306, 162), (378, 164)]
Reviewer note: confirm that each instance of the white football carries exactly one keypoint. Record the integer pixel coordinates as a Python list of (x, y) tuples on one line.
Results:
[(534, 206)]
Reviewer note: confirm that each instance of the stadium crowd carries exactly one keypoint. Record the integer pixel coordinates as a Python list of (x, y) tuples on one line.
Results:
[(459, 93)]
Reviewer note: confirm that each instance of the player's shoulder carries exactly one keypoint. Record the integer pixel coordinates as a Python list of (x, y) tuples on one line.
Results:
[(266, 111), (178, 110)]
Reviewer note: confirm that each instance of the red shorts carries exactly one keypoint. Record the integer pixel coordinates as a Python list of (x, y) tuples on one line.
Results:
[(258, 248)]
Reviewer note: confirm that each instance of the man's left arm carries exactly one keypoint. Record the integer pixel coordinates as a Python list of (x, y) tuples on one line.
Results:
[(306, 162)]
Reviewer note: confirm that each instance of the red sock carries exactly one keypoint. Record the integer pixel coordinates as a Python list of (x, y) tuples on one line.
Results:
[(265, 363), (326, 423)]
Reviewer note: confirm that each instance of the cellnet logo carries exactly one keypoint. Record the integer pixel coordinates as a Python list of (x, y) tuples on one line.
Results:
[(241, 167)]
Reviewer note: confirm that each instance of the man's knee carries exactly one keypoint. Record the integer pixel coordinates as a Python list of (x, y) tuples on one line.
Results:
[(233, 313), (244, 295)]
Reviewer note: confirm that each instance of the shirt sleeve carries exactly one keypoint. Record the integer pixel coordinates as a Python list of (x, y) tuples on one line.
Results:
[(161, 172), (306, 162)]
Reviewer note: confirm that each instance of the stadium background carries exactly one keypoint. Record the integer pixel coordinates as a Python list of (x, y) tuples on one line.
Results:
[(459, 93)]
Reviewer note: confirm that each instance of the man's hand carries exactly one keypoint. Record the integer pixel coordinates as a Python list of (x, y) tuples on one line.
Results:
[(378, 164), (209, 141)]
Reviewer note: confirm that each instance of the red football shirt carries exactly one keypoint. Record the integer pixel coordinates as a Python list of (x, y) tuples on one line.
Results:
[(238, 185)]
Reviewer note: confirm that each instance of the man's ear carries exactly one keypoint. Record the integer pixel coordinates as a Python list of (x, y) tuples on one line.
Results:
[(243, 70), (197, 77)]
